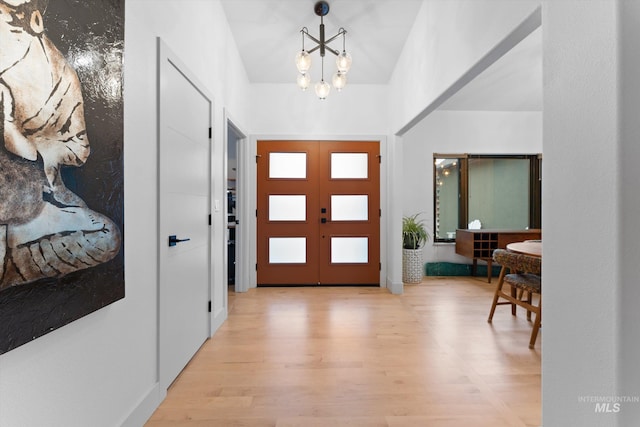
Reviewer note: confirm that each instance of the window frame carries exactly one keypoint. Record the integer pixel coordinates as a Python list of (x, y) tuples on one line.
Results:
[(535, 188)]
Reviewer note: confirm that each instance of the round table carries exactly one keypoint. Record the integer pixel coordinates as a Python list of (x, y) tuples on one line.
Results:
[(528, 247)]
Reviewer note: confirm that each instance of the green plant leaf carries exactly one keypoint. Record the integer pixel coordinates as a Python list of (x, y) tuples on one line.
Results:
[(414, 232)]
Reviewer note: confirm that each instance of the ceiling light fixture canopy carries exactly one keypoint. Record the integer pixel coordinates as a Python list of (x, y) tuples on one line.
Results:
[(303, 58)]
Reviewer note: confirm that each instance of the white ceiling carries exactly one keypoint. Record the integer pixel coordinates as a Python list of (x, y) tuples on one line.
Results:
[(267, 34)]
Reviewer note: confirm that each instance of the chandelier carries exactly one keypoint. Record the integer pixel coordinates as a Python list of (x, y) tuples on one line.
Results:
[(303, 58)]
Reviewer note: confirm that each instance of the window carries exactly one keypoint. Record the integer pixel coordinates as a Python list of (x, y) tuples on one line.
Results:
[(498, 191)]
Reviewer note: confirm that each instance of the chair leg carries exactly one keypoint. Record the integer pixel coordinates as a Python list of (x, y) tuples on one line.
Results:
[(514, 295), (529, 301), (536, 327), (498, 288)]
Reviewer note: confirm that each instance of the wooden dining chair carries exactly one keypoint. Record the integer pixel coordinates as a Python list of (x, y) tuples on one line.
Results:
[(524, 281)]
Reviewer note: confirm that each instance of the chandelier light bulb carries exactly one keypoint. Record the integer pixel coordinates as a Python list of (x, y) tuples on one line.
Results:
[(322, 89), (304, 81), (339, 81), (303, 61), (343, 61)]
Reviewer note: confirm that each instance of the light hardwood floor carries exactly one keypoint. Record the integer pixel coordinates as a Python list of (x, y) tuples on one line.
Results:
[(359, 356)]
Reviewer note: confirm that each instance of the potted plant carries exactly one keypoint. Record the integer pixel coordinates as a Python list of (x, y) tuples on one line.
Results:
[(414, 236)]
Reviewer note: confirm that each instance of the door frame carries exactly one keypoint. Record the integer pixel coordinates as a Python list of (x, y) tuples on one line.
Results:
[(166, 56), (242, 238), (251, 175)]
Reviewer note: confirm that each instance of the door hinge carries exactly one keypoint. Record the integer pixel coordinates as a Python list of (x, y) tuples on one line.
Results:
[(379, 158), (209, 306), (210, 133), (380, 266), (256, 266), (209, 219), (380, 212), (256, 213)]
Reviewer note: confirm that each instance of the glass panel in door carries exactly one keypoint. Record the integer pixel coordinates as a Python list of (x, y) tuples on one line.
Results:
[(287, 250), (288, 165), (349, 165), (287, 207), (349, 250), (349, 207)]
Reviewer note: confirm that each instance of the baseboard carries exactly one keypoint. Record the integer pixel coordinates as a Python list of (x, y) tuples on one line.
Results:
[(218, 319), (145, 407), (395, 288)]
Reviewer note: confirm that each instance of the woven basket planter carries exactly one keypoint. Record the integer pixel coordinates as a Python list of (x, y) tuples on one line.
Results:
[(412, 266)]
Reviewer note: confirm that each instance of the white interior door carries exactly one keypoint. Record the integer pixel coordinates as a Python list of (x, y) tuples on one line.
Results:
[(185, 170)]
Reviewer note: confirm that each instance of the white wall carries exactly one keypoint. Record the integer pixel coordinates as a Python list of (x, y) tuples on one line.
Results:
[(455, 132), (99, 369), (446, 40), (629, 232), (590, 334), (283, 109)]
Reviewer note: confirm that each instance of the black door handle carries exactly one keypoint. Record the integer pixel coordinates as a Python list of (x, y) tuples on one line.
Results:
[(173, 240)]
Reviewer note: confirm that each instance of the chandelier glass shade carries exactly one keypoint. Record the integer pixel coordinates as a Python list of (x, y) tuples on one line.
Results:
[(339, 80), (304, 80), (303, 61), (303, 57), (343, 61), (322, 89)]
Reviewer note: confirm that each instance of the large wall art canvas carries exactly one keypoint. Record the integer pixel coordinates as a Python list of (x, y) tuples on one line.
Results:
[(61, 163)]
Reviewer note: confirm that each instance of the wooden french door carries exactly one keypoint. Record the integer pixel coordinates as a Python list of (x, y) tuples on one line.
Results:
[(318, 212)]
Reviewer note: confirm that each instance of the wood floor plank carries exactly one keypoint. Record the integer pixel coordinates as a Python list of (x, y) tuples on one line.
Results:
[(361, 357)]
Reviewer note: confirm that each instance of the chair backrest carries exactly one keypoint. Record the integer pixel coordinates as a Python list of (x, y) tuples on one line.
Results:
[(520, 263)]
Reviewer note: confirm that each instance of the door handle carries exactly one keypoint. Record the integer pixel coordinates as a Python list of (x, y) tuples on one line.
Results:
[(173, 240)]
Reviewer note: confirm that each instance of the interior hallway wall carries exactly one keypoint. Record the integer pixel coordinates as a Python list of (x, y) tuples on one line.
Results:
[(102, 369), (590, 194), (284, 109), (629, 295)]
